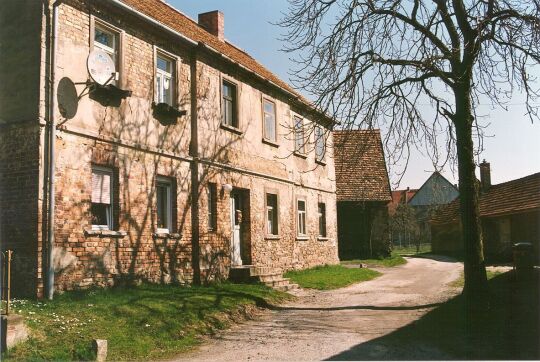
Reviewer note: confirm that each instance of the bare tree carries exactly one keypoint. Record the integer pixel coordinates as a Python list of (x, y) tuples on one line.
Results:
[(379, 63)]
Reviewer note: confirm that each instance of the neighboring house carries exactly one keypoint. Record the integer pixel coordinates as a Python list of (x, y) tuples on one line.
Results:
[(509, 213), (363, 191), (400, 197), (185, 156), (434, 193)]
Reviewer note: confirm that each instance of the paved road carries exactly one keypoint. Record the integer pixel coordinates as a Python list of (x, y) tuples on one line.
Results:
[(344, 323)]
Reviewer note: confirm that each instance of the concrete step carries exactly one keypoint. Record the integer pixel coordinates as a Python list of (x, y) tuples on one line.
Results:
[(270, 277), (278, 283)]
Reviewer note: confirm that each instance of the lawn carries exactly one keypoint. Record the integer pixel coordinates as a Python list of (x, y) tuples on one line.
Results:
[(330, 276), (411, 249), (460, 282), (140, 323), (393, 260)]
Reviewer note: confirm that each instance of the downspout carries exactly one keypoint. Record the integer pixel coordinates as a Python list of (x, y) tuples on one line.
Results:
[(52, 162)]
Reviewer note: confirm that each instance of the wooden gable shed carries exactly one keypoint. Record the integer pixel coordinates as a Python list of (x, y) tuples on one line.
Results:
[(363, 191)]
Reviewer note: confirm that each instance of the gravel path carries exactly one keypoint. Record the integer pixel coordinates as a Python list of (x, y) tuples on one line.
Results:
[(337, 324)]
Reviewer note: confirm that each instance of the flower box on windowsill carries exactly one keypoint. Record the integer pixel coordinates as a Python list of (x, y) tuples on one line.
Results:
[(166, 235), (166, 113), (105, 233)]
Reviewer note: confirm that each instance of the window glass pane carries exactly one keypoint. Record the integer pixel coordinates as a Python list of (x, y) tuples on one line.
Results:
[(269, 120), (105, 38), (301, 205), (269, 107), (164, 64), (227, 91), (101, 197), (322, 220), (163, 209), (100, 214), (320, 143), (212, 206), (272, 214), (299, 134)]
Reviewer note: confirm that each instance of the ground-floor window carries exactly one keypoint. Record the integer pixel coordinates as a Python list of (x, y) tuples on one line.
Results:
[(102, 208), (301, 217), (322, 219), (271, 214), (212, 206), (164, 204)]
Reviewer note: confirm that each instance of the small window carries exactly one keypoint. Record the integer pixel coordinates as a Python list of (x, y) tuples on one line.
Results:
[(320, 144), (322, 219), (271, 214), (165, 81), (229, 105), (301, 217), (299, 135), (212, 206), (101, 209), (269, 109), (164, 204), (108, 41)]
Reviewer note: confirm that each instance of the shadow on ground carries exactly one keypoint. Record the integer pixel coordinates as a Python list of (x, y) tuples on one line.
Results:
[(508, 330)]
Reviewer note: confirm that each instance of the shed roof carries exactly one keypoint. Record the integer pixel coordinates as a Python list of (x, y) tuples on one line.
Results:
[(361, 173), (506, 198)]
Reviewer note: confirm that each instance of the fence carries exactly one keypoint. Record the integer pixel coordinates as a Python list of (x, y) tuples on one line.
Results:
[(5, 280)]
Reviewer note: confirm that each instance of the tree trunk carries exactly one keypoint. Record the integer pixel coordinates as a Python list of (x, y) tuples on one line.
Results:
[(475, 289)]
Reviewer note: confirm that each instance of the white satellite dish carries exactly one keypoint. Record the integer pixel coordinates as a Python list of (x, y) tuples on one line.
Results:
[(100, 66)]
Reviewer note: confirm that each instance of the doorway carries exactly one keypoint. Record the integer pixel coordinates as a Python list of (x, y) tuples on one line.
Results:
[(240, 230)]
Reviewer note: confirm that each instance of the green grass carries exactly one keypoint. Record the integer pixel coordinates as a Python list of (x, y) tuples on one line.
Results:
[(140, 323), (460, 282), (330, 276), (411, 250), (393, 260)]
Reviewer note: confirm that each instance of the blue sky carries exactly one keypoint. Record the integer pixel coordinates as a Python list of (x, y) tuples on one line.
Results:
[(513, 145)]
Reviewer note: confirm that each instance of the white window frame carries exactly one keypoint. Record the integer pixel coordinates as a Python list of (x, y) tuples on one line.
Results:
[(265, 136), (275, 213), (114, 52), (167, 183), (162, 74), (323, 217), (234, 101), (299, 131), (110, 209), (301, 221), (319, 128)]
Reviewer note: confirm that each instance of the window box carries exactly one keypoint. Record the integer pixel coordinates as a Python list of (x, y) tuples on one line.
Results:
[(166, 113), (166, 235), (105, 233)]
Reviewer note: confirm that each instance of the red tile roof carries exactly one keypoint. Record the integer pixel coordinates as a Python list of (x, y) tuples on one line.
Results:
[(174, 19), (506, 198), (400, 197), (360, 166)]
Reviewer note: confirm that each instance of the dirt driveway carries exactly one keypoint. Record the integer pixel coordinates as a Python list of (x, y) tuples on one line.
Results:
[(337, 324)]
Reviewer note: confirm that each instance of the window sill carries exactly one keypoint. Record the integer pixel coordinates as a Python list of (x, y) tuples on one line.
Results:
[(231, 129), (272, 237), (165, 235), (302, 237), (322, 238), (270, 143), (320, 162), (300, 154), (105, 233)]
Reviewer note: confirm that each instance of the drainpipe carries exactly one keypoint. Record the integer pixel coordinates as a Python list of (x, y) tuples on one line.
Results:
[(52, 162)]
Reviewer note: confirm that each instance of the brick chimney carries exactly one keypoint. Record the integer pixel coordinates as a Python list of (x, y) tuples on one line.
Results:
[(485, 175), (214, 23)]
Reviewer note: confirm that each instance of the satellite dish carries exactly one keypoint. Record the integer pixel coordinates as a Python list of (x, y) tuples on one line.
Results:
[(100, 66), (68, 100)]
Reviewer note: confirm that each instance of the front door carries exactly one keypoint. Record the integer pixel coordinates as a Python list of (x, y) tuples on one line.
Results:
[(236, 225)]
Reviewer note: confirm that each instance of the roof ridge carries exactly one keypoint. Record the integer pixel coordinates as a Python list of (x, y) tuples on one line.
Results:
[(537, 174)]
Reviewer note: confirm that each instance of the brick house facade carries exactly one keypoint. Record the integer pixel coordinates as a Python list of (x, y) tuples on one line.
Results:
[(140, 195)]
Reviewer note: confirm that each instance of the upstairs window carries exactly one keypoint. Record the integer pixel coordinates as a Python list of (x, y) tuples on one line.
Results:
[(108, 41), (229, 104), (269, 110), (212, 206), (301, 217), (271, 214), (164, 204), (101, 209), (299, 140), (165, 81), (320, 144), (322, 219)]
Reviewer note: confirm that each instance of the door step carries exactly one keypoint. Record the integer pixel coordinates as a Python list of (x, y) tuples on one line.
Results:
[(271, 277)]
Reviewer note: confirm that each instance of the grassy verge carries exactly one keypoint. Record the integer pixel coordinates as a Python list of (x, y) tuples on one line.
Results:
[(330, 276), (460, 282), (411, 250), (145, 322), (394, 260)]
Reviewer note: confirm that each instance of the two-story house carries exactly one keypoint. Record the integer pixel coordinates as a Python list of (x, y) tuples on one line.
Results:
[(191, 159)]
